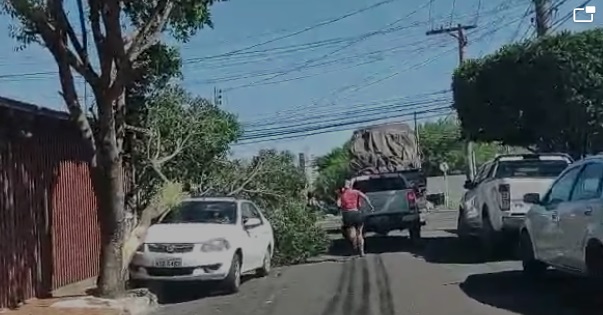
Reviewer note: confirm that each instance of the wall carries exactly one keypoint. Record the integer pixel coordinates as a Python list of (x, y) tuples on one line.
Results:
[(437, 184), (49, 235)]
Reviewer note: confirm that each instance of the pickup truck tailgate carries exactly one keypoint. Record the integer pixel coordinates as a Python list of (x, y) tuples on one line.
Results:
[(522, 186), (389, 201)]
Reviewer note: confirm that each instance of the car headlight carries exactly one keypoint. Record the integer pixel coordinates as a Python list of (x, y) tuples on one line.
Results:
[(215, 245), (140, 248)]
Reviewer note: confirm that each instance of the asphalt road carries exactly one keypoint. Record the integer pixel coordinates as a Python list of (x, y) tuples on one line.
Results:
[(395, 278)]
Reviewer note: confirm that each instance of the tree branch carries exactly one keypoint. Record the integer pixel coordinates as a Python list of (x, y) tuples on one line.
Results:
[(148, 34), (251, 176), (57, 45), (52, 33), (263, 192)]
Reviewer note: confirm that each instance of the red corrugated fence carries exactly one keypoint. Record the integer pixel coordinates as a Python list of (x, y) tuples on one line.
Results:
[(49, 235)]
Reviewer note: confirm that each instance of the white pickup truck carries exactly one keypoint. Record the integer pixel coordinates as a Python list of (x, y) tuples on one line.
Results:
[(492, 209)]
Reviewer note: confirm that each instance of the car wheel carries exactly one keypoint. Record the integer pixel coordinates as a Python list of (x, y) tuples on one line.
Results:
[(460, 226), (531, 266), (266, 264), (594, 259), (488, 240), (233, 280)]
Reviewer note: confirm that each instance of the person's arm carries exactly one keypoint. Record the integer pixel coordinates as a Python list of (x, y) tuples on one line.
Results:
[(338, 202), (366, 198)]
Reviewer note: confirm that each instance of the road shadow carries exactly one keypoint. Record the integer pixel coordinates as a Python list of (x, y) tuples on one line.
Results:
[(176, 293), (556, 293), (434, 249), (373, 245)]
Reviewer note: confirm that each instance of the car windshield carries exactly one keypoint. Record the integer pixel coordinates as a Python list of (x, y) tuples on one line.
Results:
[(222, 212), (530, 168), (380, 184)]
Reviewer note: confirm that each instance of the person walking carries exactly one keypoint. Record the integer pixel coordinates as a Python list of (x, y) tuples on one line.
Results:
[(353, 220)]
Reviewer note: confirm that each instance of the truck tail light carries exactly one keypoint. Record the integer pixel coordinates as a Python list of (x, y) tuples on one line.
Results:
[(504, 191), (411, 197)]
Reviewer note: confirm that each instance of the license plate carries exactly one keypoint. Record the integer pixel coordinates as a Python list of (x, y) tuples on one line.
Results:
[(169, 263)]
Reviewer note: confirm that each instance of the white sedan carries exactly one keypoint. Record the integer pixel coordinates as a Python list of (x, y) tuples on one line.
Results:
[(206, 239)]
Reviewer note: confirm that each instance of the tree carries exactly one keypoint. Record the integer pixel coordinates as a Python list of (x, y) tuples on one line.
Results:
[(441, 141), (333, 169), (172, 115), (273, 181), (180, 144), (546, 94), (122, 31)]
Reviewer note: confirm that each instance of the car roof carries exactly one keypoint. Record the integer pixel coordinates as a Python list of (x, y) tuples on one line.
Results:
[(215, 199), (520, 156)]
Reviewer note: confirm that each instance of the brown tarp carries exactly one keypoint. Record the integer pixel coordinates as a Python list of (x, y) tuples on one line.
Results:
[(384, 148)]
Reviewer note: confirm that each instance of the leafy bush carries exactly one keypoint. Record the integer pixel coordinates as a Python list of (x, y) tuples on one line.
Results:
[(297, 237)]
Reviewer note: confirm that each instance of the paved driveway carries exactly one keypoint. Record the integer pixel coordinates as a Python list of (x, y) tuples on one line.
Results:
[(442, 277)]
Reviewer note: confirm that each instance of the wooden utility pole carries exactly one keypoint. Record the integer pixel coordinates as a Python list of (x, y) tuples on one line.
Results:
[(543, 19), (458, 32)]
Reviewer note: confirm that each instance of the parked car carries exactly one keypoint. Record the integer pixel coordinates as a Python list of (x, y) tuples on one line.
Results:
[(395, 202), (563, 229), (492, 209), (206, 239)]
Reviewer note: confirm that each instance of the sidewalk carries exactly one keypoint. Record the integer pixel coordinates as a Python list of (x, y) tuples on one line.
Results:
[(44, 307), (74, 299)]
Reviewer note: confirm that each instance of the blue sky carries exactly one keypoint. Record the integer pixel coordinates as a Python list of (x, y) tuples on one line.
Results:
[(334, 75)]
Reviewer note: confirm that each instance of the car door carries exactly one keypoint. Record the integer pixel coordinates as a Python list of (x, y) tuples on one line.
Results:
[(264, 231), (547, 236), (255, 249), (585, 201), (471, 202)]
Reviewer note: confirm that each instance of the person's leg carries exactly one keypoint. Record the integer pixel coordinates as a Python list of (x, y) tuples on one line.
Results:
[(360, 238), (352, 238)]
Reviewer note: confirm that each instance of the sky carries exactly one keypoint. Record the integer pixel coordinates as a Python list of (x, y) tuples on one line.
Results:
[(321, 66)]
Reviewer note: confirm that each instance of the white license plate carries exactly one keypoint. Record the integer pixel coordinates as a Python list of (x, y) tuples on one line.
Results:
[(169, 263)]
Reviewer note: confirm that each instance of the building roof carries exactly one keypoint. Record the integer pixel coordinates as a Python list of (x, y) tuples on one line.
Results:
[(11, 104)]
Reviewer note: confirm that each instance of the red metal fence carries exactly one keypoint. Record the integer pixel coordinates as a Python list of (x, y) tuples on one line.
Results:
[(49, 235)]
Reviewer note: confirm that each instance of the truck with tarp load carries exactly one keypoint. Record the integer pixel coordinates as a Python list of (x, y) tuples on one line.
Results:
[(386, 161)]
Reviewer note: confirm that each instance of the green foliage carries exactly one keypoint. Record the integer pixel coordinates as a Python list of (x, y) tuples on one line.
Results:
[(186, 18), (333, 170), (441, 141), (297, 236), (196, 130), (272, 180), (546, 93)]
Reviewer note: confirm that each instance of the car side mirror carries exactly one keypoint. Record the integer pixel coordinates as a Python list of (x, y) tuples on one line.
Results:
[(251, 223), (468, 184), (533, 198)]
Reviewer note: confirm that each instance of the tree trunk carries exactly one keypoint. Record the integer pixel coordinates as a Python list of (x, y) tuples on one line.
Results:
[(111, 278), (109, 188)]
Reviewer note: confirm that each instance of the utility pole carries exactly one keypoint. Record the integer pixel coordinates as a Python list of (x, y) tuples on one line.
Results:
[(543, 19), (217, 97), (417, 138), (458, 32)]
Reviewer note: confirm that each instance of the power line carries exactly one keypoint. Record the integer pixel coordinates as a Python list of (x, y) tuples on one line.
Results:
[(313, 60), (296, 113), (306, 108), (341, 127), (309, 28), (290, 49), (324, 118)]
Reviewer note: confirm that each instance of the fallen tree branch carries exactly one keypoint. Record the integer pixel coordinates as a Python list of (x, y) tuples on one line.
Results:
[(254, 173)]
